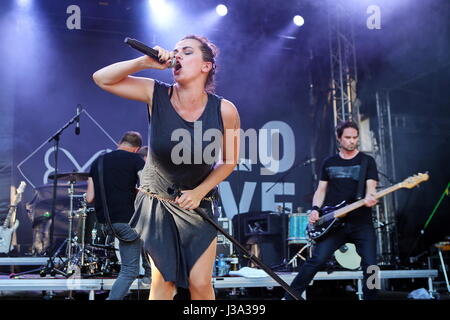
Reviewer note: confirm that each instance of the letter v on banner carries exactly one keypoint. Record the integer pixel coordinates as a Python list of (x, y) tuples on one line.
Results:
[(230, 203)]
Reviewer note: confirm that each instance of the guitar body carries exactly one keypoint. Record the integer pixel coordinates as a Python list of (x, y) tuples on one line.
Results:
[(6, 231), (6, 237), (319, 229), (347, 256)]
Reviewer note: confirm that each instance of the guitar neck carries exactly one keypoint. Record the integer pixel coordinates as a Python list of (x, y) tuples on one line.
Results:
[(12, 208), (355, 205)]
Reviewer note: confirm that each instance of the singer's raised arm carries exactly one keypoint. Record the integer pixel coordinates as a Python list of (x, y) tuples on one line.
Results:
[(116, 78)]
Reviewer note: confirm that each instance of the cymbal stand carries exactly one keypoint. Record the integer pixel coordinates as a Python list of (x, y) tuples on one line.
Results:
[(284, 209), (70, 265), (293, 261), (83, 227), (78, 258), (70, 218)]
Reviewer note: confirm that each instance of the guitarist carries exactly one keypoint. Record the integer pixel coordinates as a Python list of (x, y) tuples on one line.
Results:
[(340, 180), (120, 177)]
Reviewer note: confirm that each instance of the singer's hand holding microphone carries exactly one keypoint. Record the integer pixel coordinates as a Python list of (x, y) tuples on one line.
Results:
[(156, 57), (165, 55)]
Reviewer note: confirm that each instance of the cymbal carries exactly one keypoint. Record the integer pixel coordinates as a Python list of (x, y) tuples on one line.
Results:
[(70, 176), (443, 245)]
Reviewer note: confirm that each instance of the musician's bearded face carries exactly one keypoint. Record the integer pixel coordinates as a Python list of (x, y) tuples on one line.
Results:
[(349, 139)]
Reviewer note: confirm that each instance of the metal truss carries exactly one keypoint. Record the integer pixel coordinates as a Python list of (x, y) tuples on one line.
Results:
[(385, 221), (343, 97), (343, 63)]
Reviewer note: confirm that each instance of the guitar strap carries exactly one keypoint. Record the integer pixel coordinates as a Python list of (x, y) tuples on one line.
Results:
[(362, 177), (104, 204)]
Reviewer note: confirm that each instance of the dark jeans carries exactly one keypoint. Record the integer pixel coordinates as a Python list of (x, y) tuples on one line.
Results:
[(130, 253), (362, 235)]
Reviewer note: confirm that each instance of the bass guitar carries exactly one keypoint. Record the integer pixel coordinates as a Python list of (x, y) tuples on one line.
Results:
[(331, 215)]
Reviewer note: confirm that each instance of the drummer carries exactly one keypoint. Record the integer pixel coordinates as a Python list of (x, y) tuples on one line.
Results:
[(120, 173)]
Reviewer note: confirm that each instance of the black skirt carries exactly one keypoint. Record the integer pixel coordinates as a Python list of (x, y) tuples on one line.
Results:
[(173, 237)]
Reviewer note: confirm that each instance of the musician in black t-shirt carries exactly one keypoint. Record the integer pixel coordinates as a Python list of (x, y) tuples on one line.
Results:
[(342, 175), (121, 169), (339, 182)]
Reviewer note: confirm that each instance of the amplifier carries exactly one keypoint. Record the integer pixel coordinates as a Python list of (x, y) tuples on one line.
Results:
[(262, 224), (263, 234)]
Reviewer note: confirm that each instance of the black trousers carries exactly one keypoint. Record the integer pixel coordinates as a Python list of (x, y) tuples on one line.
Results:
[(362, 235)]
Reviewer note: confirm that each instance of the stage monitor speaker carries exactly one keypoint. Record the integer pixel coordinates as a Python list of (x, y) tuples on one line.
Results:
[(261, 234), (262, 224)]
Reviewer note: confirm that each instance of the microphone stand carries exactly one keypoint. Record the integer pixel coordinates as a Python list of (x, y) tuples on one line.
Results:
[(176, 191), (431, 215), (50, 266), (305, 163), (283, 211), (56, 138), (252, 257)]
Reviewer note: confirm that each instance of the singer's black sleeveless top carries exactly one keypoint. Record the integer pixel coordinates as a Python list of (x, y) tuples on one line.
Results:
[(175, 238)]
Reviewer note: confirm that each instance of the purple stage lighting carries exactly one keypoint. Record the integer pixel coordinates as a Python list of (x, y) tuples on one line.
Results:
[(162, 12), (222, 10), (24, 3), (298, 20)]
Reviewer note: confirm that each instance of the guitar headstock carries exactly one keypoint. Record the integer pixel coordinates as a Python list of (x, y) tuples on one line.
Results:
[(414, 180), (21, 187)]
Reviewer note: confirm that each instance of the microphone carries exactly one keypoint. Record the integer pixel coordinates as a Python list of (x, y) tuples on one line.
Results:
[(152, 53), (77, 119)]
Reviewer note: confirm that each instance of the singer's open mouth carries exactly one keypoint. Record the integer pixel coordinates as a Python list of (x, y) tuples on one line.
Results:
[(177, 66)]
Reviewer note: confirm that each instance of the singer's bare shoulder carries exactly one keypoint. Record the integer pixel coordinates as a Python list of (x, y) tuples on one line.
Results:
[(230, 115)]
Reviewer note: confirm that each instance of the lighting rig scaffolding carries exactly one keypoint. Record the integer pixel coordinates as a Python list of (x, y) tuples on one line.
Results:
[(346, 107)]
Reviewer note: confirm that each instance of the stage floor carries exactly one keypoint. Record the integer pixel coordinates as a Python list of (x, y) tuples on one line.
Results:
[(34, 282)]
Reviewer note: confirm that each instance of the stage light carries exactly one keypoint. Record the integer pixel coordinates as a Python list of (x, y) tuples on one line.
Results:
[(24, 3), (298, 20), (162, 12), (222, 10), (160, 7)]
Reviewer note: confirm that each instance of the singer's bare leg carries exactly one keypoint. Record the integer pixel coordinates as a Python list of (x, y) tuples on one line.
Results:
[(160, 289), (200, 285)]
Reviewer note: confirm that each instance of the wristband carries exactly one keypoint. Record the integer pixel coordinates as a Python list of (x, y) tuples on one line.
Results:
[(317, 209)]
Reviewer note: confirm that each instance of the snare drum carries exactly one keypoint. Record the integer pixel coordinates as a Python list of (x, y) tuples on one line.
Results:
[(297, 228)]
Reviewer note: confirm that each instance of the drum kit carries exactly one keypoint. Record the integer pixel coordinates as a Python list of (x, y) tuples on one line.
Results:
[(90, 249), (297, 234), (345, 256)]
